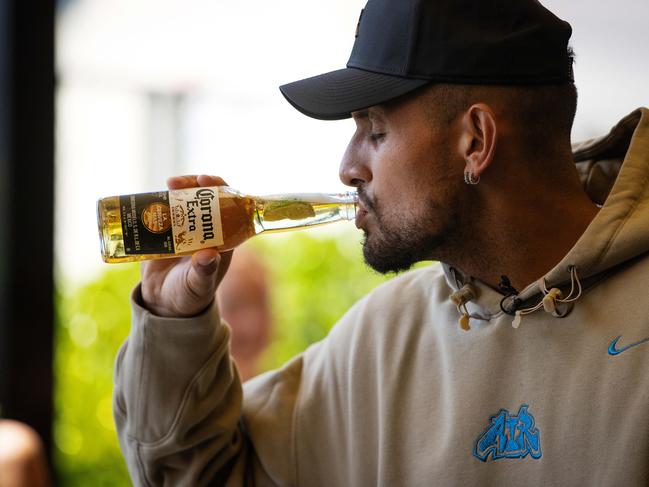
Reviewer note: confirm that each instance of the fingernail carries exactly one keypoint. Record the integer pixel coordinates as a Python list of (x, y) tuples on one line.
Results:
[(205, 260)]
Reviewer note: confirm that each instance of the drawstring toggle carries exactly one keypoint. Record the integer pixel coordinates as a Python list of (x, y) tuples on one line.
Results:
[(459, 298)]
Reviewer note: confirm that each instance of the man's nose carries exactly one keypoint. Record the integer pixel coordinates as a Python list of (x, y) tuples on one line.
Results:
[(354, 170)]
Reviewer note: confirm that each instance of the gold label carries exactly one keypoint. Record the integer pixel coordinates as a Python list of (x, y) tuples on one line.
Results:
[(156, 217), (196, 218), (146, 223)]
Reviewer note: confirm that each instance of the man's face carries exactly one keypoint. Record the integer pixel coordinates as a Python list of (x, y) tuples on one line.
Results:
[(409, 182)]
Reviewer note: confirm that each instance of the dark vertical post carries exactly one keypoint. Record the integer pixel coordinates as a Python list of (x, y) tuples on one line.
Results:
[(5, 155), (27, 211)]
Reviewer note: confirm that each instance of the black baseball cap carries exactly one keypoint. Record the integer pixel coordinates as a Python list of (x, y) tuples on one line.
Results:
[(402, 45)]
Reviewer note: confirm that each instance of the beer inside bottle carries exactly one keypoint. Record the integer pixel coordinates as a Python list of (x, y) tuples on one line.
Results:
[(179, 222)]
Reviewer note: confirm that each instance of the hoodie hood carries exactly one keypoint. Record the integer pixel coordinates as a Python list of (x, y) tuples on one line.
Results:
[(615, 173), (620, 231)]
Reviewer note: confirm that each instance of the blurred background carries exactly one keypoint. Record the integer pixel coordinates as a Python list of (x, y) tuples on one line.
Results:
[(106, 97)]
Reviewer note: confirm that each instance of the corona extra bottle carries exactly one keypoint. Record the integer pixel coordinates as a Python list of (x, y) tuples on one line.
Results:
[(179, 222)]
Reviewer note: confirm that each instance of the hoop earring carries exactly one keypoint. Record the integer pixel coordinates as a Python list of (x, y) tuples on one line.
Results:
[(470, 178)]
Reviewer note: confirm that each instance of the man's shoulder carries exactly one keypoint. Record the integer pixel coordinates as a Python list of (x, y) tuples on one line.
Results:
[(410, 308), (411, 284), (399, 305)]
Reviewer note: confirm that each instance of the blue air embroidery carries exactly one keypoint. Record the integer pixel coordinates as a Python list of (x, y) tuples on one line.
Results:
[(509, 437)]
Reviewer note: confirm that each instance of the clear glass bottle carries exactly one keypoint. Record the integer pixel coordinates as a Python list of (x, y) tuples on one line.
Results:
[(179, 222)]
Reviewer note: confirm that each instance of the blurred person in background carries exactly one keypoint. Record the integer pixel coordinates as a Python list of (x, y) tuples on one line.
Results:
[(520, 359), (244, 303), (22, 459)]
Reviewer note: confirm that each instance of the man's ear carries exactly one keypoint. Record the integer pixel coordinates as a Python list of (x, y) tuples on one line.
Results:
[(479, 135)]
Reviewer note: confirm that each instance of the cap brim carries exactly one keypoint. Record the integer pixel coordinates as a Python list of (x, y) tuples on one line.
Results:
[(335, 95)]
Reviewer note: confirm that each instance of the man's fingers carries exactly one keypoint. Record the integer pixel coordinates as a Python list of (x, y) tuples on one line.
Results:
[(191, 181), (181, 182), (205, 180)]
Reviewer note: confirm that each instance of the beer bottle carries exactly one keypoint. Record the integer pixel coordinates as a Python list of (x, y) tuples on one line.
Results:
[(179, 222)]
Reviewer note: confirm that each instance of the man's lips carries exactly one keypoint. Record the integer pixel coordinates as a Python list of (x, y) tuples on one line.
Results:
[(361, 212)]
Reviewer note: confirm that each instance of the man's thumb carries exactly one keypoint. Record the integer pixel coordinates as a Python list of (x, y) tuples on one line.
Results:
[(201, 278)]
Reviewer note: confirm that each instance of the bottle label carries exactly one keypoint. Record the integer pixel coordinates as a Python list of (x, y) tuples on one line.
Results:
[(146, 223), (167, 222), (196, 219)]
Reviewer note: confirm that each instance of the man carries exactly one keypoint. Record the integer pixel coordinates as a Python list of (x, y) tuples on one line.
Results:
[(516, 361)]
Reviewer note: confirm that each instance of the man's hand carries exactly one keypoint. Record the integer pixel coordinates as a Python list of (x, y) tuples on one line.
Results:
[(185, 286)]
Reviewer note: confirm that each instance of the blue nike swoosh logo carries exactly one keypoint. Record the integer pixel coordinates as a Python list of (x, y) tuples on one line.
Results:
[(612, 350)]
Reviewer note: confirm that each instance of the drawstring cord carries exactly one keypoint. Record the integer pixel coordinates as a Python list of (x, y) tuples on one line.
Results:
[(506, 288), (551, 301), (552, 297)]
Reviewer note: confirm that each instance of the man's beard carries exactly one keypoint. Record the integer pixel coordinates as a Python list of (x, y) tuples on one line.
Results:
[(397, 248)]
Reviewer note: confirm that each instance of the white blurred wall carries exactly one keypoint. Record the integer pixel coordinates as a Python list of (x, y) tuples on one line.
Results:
[(224, 62), (612, 72)]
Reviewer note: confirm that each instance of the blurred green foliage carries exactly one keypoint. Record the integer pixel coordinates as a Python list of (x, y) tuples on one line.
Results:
[(92, 323), (315, 278)]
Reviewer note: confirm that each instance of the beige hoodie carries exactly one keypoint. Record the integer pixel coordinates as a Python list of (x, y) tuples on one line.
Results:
[(399, 395)]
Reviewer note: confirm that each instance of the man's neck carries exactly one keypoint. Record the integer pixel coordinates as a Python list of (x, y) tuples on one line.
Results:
[(524, 229)]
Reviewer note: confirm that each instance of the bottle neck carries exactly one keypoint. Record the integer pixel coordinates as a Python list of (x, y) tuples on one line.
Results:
[(274, 213)]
